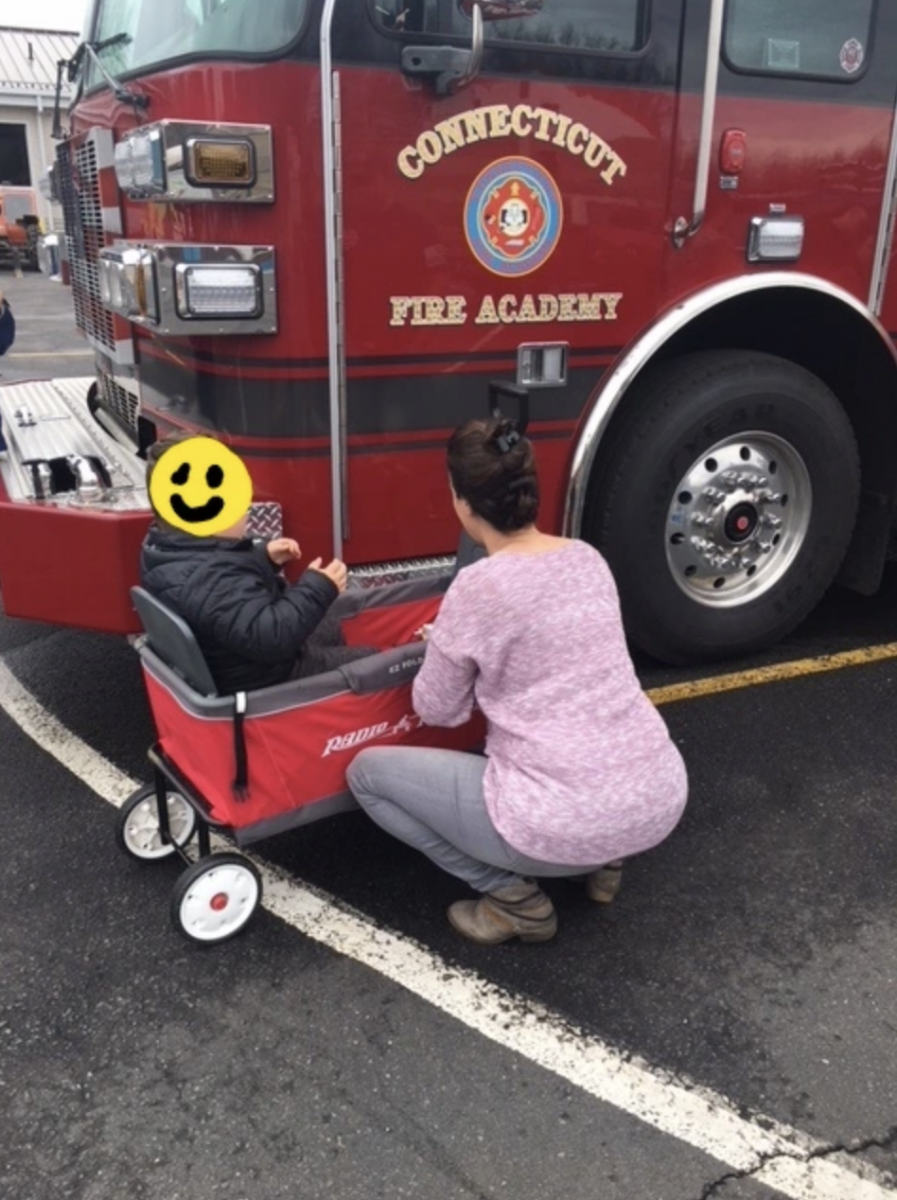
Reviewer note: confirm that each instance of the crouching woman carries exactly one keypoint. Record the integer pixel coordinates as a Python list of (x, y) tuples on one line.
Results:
[(580, 771)]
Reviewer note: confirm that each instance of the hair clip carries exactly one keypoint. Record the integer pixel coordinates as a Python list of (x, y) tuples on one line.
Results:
[(507, 440)]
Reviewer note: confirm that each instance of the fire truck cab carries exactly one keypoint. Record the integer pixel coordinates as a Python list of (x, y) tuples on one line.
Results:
[(318, 228)]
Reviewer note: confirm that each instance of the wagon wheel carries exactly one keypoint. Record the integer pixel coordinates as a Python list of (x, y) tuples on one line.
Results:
[(138, 832), (215, 897)]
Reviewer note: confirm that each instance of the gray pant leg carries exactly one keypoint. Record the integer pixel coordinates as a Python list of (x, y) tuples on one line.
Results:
[(433, 800)]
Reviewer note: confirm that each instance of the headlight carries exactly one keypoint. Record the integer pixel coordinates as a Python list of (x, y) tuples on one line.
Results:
[(218, 290)]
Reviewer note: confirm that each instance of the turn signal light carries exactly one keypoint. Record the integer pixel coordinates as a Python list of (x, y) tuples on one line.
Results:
[(215, 163)]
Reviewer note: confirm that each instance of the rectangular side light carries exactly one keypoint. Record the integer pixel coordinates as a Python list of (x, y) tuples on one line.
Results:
[(218, 291), (775, 239)]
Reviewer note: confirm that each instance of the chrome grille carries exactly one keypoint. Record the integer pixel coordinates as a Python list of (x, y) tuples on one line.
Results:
[(117, 401), (79, 189)]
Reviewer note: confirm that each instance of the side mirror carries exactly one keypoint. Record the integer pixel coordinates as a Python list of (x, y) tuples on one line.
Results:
[(501, 10), (448, 67)]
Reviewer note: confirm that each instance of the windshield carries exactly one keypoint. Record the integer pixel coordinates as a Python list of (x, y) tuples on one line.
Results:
[(158, 30)]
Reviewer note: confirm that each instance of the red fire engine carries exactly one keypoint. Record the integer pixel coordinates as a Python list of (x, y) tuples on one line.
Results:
[(319, 228)]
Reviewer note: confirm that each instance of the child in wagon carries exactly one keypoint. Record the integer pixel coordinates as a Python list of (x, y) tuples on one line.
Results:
[(254, 629)]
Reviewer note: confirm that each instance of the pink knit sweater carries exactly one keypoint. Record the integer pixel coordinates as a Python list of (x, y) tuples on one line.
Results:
[(581, 767)]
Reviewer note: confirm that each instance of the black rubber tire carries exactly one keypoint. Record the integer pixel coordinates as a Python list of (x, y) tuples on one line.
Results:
[(680, 409), (196, 874)]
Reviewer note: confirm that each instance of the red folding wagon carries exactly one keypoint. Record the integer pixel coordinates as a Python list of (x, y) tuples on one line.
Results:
[(263, 762)]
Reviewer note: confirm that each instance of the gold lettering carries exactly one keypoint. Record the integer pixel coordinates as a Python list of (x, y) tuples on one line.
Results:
[(545, 117), (521, 123), (428, 310), (563, 124), (589, 306), (527, 310), (429, 147), (499, 120), (574, 133), (411, 170), (595, 152), (487, 314), (507, 310), (400, 307), (474, 121), (616, 167), (434, 307), (452, 134), (567, 307), (457, 310)]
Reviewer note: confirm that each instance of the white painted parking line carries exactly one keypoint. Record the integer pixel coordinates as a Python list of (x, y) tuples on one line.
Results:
[(780, 1157)]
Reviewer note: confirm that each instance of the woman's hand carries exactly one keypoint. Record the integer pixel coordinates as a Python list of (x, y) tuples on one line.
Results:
[(283, 550)]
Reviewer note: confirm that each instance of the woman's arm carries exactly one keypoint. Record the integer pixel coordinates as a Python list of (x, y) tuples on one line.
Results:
[(443, 689)]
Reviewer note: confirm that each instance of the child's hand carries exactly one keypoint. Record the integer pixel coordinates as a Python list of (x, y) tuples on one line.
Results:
[(283, 550), (337, 572)]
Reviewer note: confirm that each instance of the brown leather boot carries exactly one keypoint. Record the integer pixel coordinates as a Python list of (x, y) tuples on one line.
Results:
[(602, 885), (521, 910)]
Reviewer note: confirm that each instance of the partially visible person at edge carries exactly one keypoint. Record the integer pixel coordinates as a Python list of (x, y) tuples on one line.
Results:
[(580, 772), (7, 337), (253, 628)]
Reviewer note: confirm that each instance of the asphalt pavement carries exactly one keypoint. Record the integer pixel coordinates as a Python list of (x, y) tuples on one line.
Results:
[(753, 955)]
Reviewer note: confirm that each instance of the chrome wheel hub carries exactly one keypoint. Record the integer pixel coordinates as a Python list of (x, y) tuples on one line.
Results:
[(738, 518)]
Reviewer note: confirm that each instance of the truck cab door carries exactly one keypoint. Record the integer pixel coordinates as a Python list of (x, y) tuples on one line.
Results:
[(515, 227)]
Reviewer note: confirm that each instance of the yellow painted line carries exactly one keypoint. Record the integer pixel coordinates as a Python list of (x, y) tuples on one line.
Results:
[(757, 676)]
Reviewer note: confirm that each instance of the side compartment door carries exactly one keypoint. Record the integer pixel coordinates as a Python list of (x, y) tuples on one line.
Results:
[(530, 206)]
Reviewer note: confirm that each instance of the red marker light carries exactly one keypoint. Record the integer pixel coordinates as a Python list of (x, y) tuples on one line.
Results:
[(733, 151)]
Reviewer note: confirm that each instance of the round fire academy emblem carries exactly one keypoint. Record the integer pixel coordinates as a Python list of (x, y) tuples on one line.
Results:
[(852, 56), (513, 216)]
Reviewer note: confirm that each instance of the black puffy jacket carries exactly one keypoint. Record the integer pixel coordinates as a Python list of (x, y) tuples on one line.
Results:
[(250, 624)]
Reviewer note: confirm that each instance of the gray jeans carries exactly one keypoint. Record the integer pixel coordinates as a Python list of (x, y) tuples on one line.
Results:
[(433, 800)]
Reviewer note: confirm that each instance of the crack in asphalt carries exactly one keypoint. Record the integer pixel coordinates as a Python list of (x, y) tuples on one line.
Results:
[(886, 1141)]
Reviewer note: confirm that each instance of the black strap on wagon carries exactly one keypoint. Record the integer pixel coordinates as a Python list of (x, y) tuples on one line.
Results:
[(240, 784)]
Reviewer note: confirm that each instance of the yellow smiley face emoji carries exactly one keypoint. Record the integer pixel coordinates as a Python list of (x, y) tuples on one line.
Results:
[(200, 487)]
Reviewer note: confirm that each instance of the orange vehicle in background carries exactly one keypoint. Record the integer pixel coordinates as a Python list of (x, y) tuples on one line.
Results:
[(19, 227)]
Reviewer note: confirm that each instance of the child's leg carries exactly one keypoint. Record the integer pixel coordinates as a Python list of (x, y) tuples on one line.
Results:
[(326, 650)]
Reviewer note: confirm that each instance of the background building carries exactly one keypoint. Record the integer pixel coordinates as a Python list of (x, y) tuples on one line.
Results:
[(28, 62)]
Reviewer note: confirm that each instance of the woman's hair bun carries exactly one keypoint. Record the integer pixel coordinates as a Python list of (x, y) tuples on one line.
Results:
[(493, 468)]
